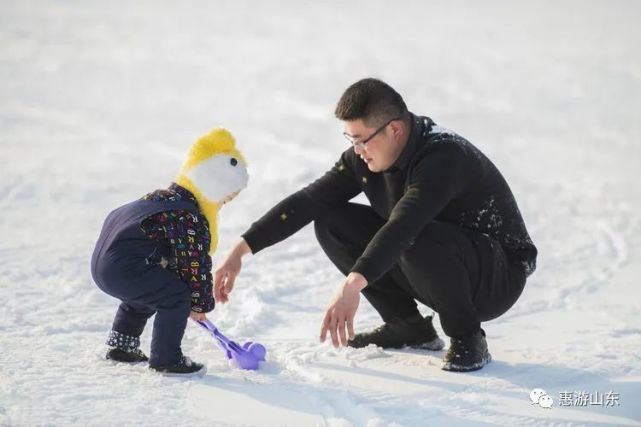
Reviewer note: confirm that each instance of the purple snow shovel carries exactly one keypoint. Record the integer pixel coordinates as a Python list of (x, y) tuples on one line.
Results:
[(245, 357)]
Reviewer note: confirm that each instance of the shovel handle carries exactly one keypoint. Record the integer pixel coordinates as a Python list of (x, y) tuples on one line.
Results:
[(220, 339)]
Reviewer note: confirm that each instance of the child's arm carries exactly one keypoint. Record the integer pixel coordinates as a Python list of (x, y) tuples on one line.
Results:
[(193, 260)]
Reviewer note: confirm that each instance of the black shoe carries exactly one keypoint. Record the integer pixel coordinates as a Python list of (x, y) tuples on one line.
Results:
[(186, 366), (467, 354), (415, 331), (119, 355)]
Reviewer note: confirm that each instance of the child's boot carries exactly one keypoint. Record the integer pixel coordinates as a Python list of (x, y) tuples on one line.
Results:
[(185, 366), (124, 348)]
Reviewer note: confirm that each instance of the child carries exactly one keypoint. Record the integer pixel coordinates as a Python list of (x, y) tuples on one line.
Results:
[(153, 254)]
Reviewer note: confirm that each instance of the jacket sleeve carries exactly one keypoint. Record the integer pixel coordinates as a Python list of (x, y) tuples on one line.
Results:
[(193, 260), (436, 179), (336, 186)]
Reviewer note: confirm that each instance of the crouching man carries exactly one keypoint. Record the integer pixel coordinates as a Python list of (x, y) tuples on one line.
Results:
[(442, 228)]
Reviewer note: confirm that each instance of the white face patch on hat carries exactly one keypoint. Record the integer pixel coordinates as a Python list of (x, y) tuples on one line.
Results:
[(219, 177)]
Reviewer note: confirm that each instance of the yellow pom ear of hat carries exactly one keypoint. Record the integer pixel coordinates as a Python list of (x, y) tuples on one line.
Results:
[(214, 171)]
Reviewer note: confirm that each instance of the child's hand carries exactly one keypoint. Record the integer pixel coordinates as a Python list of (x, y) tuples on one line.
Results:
[(199, 317)]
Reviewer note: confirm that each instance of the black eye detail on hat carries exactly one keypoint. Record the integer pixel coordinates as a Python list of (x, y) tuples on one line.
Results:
[(233, 161)]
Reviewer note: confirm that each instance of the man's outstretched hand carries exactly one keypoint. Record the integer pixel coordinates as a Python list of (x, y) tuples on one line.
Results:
[(226, 273), (339, 316)]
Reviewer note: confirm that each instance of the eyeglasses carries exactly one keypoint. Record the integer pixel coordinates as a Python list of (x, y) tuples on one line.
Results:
[(362, 143)]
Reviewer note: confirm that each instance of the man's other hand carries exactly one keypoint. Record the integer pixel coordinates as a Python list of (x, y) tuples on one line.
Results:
[(339, 316)]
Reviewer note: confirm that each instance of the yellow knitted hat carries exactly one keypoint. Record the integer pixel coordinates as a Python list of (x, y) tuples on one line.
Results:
[(214, 171)]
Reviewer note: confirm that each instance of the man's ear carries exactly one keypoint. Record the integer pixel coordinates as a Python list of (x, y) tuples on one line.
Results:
[(397, 127)]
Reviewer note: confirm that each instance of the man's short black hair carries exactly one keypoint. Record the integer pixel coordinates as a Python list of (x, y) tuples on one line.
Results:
[(371, 100)]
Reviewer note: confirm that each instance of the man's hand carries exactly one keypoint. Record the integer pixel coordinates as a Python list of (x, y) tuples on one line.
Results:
[(340, 313), (226, 273), (199, 317)]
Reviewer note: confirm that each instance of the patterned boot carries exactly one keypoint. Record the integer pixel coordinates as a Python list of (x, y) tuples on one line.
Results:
[(124, 348)]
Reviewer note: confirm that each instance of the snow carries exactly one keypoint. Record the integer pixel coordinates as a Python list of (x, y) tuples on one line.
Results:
[(100, 100)]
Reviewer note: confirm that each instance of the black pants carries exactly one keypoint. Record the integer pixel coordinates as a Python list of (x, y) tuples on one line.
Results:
[(462, 275)]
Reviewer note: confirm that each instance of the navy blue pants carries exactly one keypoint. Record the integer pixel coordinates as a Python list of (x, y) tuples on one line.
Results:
[(462, 275), (119, 267), (154, 291)]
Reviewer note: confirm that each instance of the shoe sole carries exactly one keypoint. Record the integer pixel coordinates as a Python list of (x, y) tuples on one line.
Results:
[(436, 344), (199, 373), (128, 362), (118, 362), (453, 367)]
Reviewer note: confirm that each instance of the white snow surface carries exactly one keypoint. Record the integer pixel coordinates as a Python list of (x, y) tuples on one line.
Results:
[(100, 100)]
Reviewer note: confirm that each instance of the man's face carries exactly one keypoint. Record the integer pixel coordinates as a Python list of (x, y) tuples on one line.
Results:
[(382, 149)]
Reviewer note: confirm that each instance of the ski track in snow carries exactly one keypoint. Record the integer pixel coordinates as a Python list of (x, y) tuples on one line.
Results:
[(98, 103)]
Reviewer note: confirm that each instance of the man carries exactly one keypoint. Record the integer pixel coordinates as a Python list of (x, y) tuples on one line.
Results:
[(443, 229)]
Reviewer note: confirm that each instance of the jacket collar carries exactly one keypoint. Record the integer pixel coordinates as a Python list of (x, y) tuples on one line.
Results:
[(184, 193), (421, 127), (406, 155)]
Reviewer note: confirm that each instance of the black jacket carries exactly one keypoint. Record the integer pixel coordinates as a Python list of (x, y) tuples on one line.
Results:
[(438, 176)]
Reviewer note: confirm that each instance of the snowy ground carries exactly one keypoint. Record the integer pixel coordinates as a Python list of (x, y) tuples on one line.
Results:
[(99, 100)]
